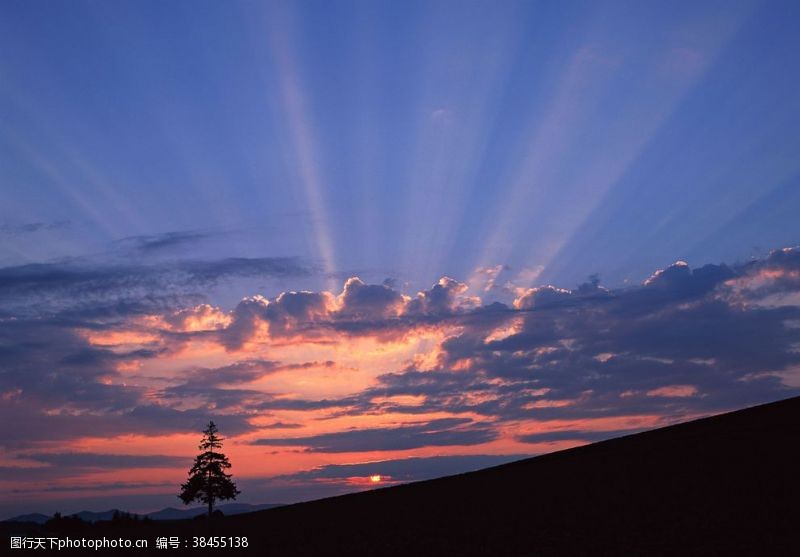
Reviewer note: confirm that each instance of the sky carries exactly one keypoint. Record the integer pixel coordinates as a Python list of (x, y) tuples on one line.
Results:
[(395, 239)]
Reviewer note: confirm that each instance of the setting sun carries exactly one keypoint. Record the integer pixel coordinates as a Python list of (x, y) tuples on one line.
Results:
[(375, 478)]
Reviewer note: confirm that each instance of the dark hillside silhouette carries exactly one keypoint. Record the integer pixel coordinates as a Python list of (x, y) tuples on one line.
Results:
[(725, 485)]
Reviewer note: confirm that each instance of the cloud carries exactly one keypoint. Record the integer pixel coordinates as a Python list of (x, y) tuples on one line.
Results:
[(32, 227), (94, 487), (52, 467), (54, 365), (56, 385), (438, 433), (244, 371), (213, 386), (541, 296), (368, 301), (239, 372), (165, 242), (674, 391), (360, 309), (84, 460), (282, 425), (575, 435), (777, 274), (685, 342), (202, 317), (404, 469), (48, 287), (443, 298), (289, 314), (25, 424)]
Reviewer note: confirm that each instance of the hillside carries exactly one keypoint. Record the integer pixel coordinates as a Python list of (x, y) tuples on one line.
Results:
[(718, 486), (713, 486)]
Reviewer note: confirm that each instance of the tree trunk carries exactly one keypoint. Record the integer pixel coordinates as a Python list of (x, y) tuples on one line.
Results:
[(210, 497)]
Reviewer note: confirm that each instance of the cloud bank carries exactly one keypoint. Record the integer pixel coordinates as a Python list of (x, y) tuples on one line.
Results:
[(98, 358)]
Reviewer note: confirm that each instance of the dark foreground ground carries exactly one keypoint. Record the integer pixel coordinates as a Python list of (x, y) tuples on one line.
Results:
[(726, 485)]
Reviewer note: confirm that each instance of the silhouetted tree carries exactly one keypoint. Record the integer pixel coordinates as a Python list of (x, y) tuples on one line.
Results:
[(208, 481), (72, 523)]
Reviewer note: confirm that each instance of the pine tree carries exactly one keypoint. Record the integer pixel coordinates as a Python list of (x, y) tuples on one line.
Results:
[(208, 481)]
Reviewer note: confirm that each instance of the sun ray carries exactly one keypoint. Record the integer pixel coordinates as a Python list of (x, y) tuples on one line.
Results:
[(279, 25)]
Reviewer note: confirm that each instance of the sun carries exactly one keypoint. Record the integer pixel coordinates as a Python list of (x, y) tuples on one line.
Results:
[(376, 478)]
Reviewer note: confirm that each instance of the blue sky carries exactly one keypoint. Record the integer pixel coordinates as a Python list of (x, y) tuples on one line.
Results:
[(394, 239), (405, 141)]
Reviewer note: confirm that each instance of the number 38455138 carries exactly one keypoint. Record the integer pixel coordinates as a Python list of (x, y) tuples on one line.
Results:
[(219, 541)]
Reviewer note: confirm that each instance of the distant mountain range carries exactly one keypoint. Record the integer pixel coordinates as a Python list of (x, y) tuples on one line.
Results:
[(168, 513), (171, 513), (38, 518)]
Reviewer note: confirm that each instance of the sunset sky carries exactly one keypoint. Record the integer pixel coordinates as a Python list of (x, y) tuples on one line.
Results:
[(383, 241)]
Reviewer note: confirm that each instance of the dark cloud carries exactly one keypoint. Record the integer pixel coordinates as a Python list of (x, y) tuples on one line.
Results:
[(778, 273), (441, 432), (31, 227), (101, 486), (239, 372), (282, 425), (441, 299), (27, 424), (543, 296), (369, 301), (54, 366), (64, 465), (56, 286), (404, 469), (165, 242), (575, 435), (290, 314), (55, 385), (283, 403), (104, 461), (679, 281), (362, 309), (211, 387), (153, 418), (210, 271)]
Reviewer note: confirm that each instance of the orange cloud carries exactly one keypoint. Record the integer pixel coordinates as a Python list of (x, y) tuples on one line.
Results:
[(674, 391)]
